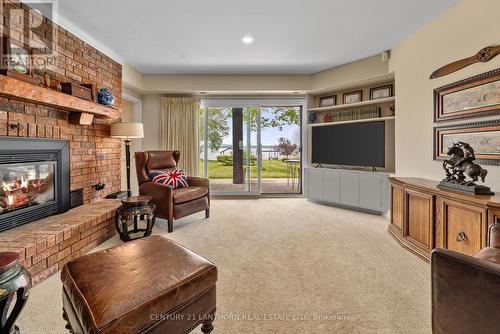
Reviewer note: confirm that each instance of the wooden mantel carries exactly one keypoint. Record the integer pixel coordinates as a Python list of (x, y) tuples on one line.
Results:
[(40, 95)]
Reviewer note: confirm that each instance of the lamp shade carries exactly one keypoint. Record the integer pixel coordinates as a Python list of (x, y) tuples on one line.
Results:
[(127, 130)]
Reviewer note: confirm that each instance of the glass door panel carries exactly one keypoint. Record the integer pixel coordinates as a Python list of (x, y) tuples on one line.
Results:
[(228, 159), (281, 146)]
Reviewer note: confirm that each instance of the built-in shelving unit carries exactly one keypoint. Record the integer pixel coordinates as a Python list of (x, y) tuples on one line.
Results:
[(367, 110), (366, 120), (357, 104)]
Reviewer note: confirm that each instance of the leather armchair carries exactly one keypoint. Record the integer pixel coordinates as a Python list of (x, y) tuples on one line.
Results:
[(171, 203), (466, 289)]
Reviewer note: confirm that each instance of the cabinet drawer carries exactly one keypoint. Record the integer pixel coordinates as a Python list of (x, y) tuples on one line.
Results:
[(464, 227)]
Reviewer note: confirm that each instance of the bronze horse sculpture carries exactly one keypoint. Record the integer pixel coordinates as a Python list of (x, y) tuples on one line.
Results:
[(459, 165)]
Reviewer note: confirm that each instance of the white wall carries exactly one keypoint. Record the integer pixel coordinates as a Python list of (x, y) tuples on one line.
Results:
[(128, 116), (151, 106), (458, 33)]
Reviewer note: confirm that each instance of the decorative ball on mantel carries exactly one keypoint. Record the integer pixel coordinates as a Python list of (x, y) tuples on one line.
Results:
[(104, 96)]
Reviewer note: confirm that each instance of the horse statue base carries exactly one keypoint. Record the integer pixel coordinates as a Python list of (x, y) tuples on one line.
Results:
[(471, 189)]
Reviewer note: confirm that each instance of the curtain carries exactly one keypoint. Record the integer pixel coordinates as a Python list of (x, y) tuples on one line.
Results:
[(179, 130)]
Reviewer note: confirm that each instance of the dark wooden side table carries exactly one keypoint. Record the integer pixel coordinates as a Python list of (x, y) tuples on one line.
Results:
[(14, 281), (132, 209)]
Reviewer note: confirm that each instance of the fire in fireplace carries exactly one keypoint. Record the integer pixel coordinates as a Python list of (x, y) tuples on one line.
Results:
[(34, 179), (26, 184)]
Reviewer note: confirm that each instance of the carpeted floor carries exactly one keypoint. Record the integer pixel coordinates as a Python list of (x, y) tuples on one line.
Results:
[(289, 266)]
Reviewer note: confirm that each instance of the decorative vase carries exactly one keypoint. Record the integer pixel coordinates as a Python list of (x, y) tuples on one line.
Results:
[(104, 96), (312, 117)]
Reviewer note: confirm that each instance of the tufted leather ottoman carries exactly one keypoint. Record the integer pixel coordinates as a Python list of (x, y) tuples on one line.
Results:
[(150, 285)]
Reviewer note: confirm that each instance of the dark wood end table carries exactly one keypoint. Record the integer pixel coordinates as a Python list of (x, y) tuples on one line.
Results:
[(132, 209), (14, 281)]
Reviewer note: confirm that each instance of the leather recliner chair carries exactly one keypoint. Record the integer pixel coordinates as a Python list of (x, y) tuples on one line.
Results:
[(171, 203), (466, 289)]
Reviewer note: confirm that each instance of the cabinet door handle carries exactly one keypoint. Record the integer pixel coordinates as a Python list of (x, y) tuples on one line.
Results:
[(461, 236)]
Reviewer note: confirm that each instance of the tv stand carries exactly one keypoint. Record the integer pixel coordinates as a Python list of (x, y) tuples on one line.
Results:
[(365, 190)]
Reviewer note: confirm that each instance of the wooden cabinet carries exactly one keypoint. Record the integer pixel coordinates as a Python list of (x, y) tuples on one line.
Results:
[(418, 221), (461, 227), (424, 217), (397, 205)]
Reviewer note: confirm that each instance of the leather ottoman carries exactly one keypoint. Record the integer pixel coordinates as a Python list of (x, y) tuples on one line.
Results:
[(150, 285)]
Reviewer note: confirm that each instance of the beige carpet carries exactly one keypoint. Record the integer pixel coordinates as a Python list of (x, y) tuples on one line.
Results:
[(289, 266)]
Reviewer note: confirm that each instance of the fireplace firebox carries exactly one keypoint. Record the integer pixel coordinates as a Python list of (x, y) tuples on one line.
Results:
[(34, 179)]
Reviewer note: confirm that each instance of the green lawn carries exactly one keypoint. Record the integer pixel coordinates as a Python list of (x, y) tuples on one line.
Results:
[(270, 169)]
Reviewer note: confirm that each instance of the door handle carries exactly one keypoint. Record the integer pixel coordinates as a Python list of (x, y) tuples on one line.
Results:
[(461, 236)]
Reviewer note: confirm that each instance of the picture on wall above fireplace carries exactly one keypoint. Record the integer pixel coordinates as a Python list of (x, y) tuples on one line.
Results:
[(26, 184)]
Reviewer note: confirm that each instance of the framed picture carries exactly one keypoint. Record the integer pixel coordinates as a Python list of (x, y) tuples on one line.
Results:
[(473, 97), (327, 101), (484, 137), (353, 97), (15, 57), (381, 92)]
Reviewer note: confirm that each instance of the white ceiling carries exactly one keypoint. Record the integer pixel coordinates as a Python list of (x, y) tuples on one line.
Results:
[(204, 37)]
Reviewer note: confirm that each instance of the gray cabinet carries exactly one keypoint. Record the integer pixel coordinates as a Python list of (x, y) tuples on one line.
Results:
[(331, 186), (356, 189), (349, 188), (370, 189), (314, 183)]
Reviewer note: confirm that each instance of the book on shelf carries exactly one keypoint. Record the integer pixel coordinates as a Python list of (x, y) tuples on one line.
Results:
[(356, 114)]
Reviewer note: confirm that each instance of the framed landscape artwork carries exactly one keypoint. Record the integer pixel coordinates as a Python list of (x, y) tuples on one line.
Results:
[(484, 137), (381, 92), (327, 101), (353, 97), (473, 97)]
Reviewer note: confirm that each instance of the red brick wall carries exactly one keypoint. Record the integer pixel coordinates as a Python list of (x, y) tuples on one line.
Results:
[(94, 155)]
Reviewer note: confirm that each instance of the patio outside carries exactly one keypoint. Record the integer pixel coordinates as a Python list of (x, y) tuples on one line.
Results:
[(280, 138)]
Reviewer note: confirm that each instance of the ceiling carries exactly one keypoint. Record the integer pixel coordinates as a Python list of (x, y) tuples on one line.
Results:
[(204, 37)]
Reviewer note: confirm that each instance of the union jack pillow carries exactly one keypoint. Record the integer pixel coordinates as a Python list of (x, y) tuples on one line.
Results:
[(176, 178)]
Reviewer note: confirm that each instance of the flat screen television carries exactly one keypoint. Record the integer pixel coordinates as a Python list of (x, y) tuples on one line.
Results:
[(352, 144)]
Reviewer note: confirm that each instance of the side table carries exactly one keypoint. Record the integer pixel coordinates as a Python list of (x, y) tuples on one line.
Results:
[(132, 209), (14, 281)]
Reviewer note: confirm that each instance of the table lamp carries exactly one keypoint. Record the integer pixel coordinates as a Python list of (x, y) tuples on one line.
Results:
[(127, 131)]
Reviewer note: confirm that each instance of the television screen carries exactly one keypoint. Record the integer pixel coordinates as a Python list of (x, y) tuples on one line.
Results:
[(353, 144)]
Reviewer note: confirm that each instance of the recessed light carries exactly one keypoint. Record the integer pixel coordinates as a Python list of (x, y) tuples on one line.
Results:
[(247, 40)]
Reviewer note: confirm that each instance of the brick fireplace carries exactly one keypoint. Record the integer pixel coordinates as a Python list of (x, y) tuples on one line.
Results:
[(95, 156), (47, 244)]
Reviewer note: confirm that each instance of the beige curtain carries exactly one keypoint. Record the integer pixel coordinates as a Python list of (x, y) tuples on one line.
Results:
[(180, 130)]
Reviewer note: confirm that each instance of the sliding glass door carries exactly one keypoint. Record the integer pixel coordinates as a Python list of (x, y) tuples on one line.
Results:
[(228, 150), (233, 155)]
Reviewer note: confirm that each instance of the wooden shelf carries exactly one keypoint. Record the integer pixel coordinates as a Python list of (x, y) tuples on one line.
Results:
[(366, 120), (25, 91), (357, 104)]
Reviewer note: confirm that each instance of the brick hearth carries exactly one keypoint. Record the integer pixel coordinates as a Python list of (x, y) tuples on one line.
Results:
[(47, 244)]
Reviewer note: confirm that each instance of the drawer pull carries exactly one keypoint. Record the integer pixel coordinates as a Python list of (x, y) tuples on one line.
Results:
[(461, 236)]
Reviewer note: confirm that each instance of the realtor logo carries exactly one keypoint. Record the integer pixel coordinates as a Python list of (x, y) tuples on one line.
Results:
[(30, 40)]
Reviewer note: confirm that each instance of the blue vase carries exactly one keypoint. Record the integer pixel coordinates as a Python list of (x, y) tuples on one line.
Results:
[(104, 96)]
